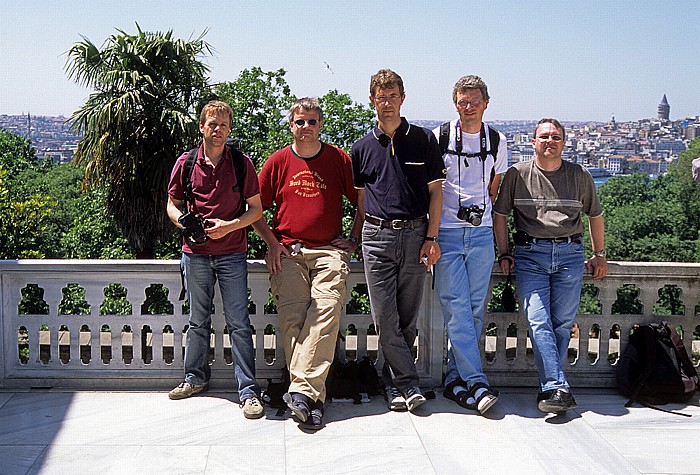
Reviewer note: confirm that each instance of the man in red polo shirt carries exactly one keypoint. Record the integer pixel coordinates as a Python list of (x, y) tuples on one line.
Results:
[(218, 255), (307, 256)]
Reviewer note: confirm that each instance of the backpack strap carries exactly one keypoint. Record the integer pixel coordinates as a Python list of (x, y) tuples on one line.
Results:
[(187, 176), (238, 160), (682, 354), (444, 138)]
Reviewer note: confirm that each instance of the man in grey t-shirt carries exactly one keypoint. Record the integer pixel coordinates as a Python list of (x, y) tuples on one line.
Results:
[(547, 196)]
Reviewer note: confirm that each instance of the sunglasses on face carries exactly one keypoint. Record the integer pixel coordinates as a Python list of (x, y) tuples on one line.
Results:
[(301, 122)]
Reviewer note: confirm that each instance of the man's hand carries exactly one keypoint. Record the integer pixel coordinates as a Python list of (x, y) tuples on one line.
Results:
[(345, 244), (431, 250), (273, 257), (598, 266), (218, 228), (506, 263)]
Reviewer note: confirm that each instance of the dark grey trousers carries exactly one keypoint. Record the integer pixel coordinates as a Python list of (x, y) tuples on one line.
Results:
[(395, 278)]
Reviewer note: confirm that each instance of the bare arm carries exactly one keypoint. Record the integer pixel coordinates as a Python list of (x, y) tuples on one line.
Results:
[(218, 228), (431, 249), (493, 188), (174, 209), (273, 257), (500, 229), (598, 265)]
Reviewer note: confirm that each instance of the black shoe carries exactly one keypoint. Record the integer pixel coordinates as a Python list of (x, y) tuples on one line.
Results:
[(555, 400), (298, 404)]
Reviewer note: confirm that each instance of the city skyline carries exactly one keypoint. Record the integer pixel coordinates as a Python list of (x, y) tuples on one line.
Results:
[(575, 61)]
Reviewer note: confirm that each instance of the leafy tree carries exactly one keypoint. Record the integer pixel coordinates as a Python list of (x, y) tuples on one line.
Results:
[(16, 153), (139, 118), (344, 121), (21, 222), (647, 220)]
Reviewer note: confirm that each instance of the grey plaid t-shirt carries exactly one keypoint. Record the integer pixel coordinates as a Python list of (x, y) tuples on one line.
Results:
[(548, 204)]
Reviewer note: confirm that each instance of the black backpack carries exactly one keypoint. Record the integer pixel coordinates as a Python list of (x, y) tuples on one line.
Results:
[(655, 368), (444, 140), (238, 159), (494, 141)]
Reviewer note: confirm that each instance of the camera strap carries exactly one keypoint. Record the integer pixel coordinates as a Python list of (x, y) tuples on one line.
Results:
[(484, 146)]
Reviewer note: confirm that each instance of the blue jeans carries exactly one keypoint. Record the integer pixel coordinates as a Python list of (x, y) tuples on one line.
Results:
[(201, 273), (549, 277), (462, 276), (395, 277)]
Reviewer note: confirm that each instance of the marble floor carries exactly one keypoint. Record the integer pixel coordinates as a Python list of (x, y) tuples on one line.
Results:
[(59, 432)]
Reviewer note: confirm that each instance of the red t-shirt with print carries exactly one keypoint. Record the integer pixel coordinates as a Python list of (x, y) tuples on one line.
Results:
[(308, 194)]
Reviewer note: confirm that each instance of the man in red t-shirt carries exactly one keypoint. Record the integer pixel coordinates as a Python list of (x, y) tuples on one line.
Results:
[(307, 256)]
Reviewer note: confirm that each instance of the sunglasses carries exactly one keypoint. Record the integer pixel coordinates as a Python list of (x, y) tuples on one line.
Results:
[(301, 122)]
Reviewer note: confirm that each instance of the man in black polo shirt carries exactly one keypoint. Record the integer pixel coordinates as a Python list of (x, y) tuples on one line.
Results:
[(398, 171)]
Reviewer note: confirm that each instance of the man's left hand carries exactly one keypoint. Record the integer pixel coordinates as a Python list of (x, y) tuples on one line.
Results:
[(598, 267), (345, 244), (218, 228), (431, 250)]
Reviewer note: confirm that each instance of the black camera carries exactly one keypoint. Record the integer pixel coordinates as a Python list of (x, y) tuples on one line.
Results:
[(471, 214), (193, 228)]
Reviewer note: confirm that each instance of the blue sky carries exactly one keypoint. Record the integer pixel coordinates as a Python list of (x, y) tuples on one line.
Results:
[(573, 60)]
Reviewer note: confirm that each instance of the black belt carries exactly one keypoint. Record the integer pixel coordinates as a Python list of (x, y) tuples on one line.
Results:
[(521, 238), (396, 223)]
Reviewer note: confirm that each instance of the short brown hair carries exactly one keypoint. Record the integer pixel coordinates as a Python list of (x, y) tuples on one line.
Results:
[(308, 104), (470, 82), (555, 123), (215, 108), (385, 79)]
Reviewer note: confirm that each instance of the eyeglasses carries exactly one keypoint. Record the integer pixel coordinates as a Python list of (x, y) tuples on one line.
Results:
[(464, 103), (553, 138), (301, 122), (389, 98)]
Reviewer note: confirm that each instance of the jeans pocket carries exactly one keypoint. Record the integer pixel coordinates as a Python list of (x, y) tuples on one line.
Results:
[(523, 248), (369, 230)]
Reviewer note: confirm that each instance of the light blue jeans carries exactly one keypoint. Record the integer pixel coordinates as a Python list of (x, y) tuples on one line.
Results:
[(201, 273), (462, 277), (549, 277)]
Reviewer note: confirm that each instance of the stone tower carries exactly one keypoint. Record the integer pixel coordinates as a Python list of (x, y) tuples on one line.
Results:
[(664, 109)]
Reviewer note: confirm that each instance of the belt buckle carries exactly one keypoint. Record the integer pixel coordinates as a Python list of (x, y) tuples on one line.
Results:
[(397, 224)]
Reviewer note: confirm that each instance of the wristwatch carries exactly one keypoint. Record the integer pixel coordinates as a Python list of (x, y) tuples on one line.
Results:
[(353, 240), (431, 238), (600, 253)]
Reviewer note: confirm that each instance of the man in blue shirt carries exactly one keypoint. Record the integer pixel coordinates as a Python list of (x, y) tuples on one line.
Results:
[(398, 171)]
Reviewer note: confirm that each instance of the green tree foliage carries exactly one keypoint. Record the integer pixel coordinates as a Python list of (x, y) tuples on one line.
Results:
[(135, 123), (260, 101), (16, 154), (647, 220), (344, 121), (21, 222)]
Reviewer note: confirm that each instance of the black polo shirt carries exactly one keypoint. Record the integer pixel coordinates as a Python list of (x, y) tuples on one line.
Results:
[(395, 174)]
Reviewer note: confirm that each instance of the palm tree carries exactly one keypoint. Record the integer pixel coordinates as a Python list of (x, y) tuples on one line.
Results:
[(139, 117)]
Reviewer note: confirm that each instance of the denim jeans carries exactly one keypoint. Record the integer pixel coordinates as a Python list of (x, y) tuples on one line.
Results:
[(549, 277), (201, 273), (462, 276), (395, 277)]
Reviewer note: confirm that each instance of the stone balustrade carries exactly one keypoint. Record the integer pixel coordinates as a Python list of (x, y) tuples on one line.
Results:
[(41, 347)]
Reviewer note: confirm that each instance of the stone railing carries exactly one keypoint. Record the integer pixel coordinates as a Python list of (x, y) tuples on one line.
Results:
[(41, 347)]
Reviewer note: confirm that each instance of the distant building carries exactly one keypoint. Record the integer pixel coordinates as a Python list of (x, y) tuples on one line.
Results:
[(664, 109)]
